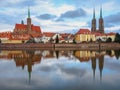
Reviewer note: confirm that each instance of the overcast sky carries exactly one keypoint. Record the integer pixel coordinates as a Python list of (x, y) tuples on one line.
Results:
[(60, 15)]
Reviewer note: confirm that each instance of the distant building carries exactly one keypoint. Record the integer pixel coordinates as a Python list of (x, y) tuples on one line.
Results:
[(100, 37), (22, 32), (84, 35), (111, 35), (28, 28)]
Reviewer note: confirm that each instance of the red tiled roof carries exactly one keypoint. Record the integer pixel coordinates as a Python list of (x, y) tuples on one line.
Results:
[(23, 27), (100, 34), (83, 31), (36, 28), (48, 34), (36, 35), (65, 35), (111, 33), (5, 34), (61, 38)]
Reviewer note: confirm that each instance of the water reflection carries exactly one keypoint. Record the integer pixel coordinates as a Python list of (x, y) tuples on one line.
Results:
[(29, 58)]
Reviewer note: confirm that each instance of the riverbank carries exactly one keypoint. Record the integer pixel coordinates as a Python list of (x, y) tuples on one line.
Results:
[(82, 46)]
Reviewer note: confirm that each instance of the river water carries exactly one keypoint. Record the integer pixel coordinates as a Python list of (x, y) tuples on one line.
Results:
[(59, 70)]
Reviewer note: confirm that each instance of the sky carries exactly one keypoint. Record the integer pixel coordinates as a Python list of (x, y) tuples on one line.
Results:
[(60, 15)]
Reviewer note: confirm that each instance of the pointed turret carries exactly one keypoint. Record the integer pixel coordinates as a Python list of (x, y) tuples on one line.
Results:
[(29, 22), (101, 12), (93, 28), (28, 13), (101, 22), (94, 14), (22, 22)]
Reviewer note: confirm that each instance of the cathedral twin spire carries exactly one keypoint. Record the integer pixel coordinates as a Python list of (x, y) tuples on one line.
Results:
[(101, 22), (101, 12)]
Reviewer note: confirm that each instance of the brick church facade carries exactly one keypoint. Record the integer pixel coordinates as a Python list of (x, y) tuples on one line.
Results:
[(27, 29)]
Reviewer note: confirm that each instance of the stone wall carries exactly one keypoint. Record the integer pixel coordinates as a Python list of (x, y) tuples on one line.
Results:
[(82, 46)]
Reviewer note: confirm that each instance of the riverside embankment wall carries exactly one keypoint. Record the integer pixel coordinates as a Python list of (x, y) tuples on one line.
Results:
[(82, 46)]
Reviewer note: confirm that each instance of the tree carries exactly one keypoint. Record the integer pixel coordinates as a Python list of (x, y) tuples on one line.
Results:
[(51, 40), (57, 39), (91, 40), (117, 38), (99, 40), (74, 41), (109, 40)]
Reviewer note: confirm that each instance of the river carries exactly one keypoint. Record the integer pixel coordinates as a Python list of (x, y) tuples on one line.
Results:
[(59, 70)]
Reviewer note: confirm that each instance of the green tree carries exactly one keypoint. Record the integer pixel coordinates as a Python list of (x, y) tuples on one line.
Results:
[(74, 41), (57, 39), (0, 41), (117, 38), (109, 40)]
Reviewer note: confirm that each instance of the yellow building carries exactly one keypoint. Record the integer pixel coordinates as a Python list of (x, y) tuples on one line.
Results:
[(84, 35), (111, 35)]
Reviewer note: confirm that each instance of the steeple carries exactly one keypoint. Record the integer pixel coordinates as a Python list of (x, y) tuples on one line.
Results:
[(28, 22), (22, 22), (101, 22), (101, 12), (28, 12), (93, 28), (94, 13)]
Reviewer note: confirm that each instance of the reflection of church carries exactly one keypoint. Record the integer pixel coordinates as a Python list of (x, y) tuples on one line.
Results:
[(28, 58), (23, 58), (84, 56), (101, 64)]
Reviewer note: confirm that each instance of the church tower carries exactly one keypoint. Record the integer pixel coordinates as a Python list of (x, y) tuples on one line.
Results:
[(101, 22), (29, 22), (93, 29)]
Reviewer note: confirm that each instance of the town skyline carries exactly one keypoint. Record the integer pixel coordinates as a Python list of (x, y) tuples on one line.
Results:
[(64, 16)]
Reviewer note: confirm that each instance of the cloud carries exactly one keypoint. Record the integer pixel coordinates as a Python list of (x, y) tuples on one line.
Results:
[(112, 19), (6, 27), (46, 16), (66, 26), (11, 3), (73, 14), (112, 22)]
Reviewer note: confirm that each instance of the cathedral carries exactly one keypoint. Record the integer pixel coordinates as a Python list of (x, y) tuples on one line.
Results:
[(28, 28), (101, 23)]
